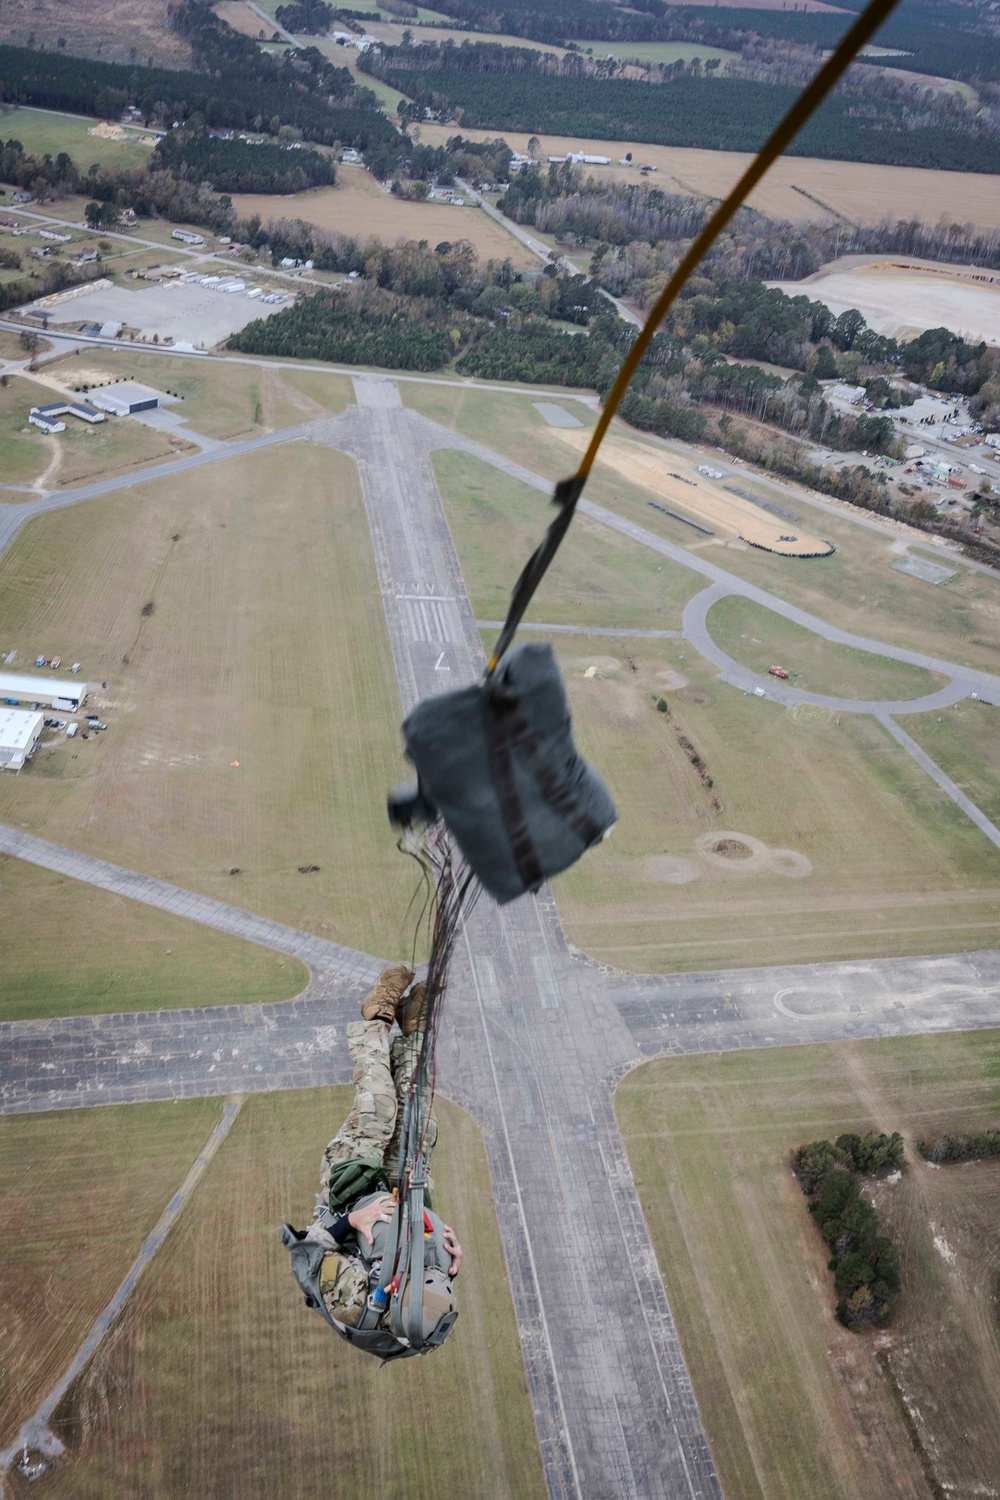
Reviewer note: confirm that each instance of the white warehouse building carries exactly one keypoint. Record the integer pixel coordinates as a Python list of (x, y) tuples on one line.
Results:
[(19, 734), (57, 692)]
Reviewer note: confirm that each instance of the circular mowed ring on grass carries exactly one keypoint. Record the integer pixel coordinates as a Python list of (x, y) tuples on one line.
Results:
[(674, 870), (742, 854)]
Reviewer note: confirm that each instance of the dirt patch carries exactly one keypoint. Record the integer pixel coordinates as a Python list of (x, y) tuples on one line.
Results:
[(733, 849), (671, 681), (114, 31), (694, 695), (742, 854), (674, 870)]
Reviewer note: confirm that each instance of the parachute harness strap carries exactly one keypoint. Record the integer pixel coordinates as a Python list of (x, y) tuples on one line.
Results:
[(568, 491)]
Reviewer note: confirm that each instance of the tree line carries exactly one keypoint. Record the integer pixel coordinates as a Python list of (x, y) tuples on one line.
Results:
[(306, 17), (948, 1148), (865, 1263), (234, 166), (723, 114)]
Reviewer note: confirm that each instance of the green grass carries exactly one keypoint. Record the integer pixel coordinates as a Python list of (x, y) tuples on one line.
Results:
[(79, 1191), (757, 638), (793, 1404), (965, 742), (23, 453), (44, 132), (869, 858), (218, 399), (267, 647), (226, 1385), (658, 52), (599, 578), (857, 588), (60, 960)]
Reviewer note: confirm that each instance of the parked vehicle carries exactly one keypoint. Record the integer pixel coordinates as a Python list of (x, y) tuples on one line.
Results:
[(71, 730), (777, 672)]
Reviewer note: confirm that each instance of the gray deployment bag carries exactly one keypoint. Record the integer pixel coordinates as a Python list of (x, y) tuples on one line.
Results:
[(497, 761)]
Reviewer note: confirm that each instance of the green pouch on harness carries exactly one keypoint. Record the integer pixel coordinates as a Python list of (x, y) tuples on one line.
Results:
[(354, 1179)]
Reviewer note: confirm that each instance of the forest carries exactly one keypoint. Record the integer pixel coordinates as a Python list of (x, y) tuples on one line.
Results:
[(865, 1263), (305, 17), (725, 114), (362, 326), (233, 166)]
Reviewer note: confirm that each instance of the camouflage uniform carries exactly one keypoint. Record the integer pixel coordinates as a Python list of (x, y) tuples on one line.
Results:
[(372, 1129)]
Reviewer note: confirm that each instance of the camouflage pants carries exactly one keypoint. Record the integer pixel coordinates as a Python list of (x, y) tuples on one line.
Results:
[(381, 1081)]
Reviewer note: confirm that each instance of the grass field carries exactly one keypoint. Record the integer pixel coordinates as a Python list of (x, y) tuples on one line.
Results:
[(964, 741), (79, 1190), (657, 52), (758, 637), (267, 647), (857, 588), (10, 345), (599, 577), (795, 1405), (218, 1381), (43, 132), (221, 400), (123, 956), (855, 190), (850, 850), (359, 206), (80, 453)]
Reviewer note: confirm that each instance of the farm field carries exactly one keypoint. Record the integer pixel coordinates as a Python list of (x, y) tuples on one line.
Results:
[(599, 577), (793, 1403), (901, 302), (757, 637), (754, 835), (226, 1385), (965, 743), (79, 1190), (117, 31), (220, 400), (125, 956), (82, 452), (657, 52), (857, 587), (241, 18), (252, 714), (358, 206), (46, 132), (796, 188)]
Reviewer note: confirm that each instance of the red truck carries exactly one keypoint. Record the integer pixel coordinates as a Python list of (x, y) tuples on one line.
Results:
[(777, 672)]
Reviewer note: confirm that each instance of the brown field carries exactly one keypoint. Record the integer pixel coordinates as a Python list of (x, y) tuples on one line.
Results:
[(797, 188), (267, 647), (241, 18), (793, 1403), (80, 1190), (113, 30), (358, 206), (899, 299), (702, 498), (218, 1382), (852, 850), (154, 962)]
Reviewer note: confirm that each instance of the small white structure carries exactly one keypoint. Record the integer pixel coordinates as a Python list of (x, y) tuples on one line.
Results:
[(57, 692), (47, 417), (19, 734)]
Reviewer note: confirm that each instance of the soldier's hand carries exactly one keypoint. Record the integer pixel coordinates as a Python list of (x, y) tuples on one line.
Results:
[(363, 1220), (453, 1248)]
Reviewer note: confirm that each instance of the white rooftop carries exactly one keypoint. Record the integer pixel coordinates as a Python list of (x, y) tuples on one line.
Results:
[(14, 686), (18, 729)]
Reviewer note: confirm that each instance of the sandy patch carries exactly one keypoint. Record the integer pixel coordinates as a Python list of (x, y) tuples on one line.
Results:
[(896, 299), (671, 681), (602, 664), (358, 205), (702, 498)]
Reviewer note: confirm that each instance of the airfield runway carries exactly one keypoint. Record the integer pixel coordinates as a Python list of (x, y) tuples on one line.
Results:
[(534, 1042)]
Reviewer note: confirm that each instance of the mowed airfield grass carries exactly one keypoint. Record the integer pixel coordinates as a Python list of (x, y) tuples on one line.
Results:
[(217, 1380), (252, 711), (867, 857), (71, 949), (794, 1405), (857, 588)]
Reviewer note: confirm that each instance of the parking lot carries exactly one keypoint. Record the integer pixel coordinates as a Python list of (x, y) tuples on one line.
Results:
[(183, 311)]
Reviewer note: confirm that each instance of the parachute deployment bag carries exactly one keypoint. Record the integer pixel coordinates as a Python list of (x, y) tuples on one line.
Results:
[(498, 762)]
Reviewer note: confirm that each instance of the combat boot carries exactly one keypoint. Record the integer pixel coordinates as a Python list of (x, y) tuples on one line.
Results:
[(381, 1003), (411, 1012)]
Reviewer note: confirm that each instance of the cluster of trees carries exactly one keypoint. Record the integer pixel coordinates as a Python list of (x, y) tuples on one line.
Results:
[(42, 176), (55, 276), (234, 166), (241, 87), (946, 1148), (306, 17), (945, 362), (864, 1262), (532, 353), (725, 114), (360, 326)]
